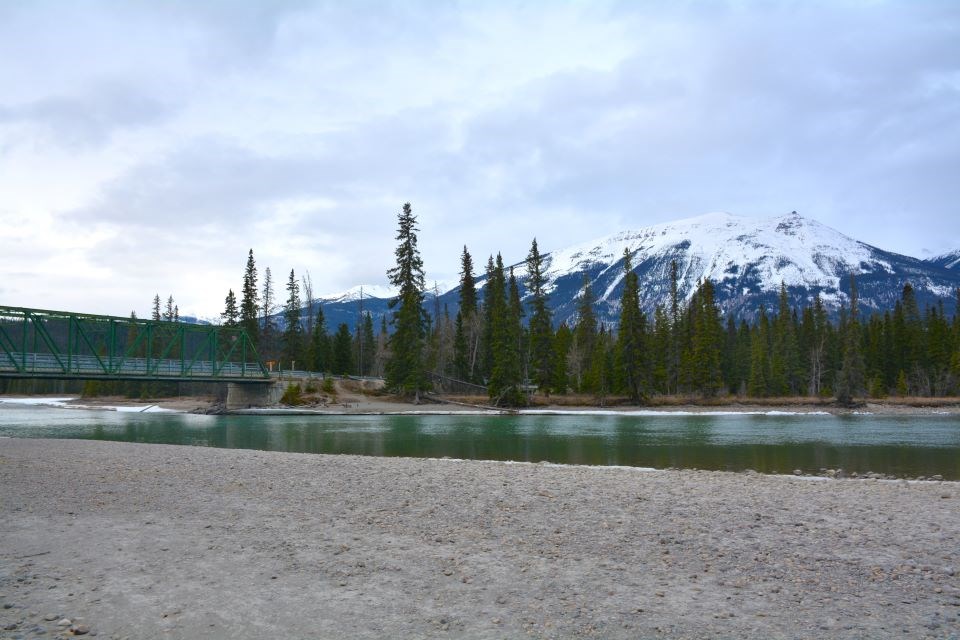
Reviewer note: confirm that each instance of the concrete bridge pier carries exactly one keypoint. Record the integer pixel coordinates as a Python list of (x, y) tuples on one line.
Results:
[(244, 395)]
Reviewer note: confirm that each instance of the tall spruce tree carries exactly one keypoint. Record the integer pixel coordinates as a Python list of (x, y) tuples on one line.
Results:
[(170, 312), (562, 341), (504, 384), (491, 306), (366, 345), (230, 315), (467, 326), (468, 286), (541, 323), (851, 379), (155, 314), (702, 358), (405, 369), (757, 385), (461, 363), (320, 343), (249, 299), (268, 328), (293, 331), (584, 337), (630, 351), (342, 351), (674, 343)]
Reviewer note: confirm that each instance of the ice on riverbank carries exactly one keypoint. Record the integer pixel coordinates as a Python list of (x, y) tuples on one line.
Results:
[(71, 403)]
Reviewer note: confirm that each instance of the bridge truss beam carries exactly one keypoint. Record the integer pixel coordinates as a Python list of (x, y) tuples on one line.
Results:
[(38, 343)]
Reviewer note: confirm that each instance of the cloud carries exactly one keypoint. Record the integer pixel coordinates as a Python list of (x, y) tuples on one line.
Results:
[(89, 119), (188, 133)]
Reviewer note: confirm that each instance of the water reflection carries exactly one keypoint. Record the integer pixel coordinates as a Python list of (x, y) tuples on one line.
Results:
[(896, 445)]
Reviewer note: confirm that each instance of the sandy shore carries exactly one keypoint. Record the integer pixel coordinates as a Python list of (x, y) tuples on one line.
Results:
[(151, 541), (363, 404)]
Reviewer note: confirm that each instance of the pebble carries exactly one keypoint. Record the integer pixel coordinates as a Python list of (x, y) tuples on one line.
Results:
[(65, 622), (79, 629), (50, 617)]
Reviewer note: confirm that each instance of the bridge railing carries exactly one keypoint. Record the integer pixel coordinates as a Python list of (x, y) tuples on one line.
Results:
[(47, 364), (40, 343)]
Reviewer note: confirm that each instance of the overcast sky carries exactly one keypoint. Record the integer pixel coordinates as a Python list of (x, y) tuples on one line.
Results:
[(146, 146)]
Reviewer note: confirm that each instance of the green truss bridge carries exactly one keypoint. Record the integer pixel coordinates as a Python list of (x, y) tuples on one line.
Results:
[(36, 343)]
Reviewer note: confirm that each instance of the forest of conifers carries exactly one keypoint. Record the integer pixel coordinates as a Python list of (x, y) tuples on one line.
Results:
[(511, 346)]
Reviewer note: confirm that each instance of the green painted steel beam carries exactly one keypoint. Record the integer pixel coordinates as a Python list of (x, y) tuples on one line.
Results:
[(40, 343)]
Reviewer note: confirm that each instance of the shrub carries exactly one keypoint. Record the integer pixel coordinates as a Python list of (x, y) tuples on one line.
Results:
[(292, 396), (328, 386)]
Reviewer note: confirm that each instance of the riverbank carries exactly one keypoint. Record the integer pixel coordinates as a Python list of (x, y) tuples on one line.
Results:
[(150, 541), (353, 403)]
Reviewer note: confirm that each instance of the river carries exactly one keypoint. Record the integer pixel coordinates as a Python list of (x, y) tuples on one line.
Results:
[(904, 446)]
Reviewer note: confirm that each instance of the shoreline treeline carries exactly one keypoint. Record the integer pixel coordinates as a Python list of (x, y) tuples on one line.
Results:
[(509, 344)]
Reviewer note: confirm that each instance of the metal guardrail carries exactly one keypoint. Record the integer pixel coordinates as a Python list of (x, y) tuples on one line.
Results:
[(43, 363), (38, 343)]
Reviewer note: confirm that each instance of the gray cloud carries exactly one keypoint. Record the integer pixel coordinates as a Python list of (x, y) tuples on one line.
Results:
[(300, 128), (89, 119)]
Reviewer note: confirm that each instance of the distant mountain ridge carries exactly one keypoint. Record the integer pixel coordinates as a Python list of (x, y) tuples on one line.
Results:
[(746, 258), (947, 261)]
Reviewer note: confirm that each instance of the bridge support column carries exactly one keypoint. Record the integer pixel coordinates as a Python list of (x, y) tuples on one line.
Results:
[(244, 395)]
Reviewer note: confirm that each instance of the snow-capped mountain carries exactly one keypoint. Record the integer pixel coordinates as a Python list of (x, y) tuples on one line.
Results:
[(947, 261), (746, 258), (354, 293)]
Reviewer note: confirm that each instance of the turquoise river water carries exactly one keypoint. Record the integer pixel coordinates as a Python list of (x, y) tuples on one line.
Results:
[(898, 445)]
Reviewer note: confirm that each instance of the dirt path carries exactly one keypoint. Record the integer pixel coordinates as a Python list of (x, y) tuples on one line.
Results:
[(151, 541)]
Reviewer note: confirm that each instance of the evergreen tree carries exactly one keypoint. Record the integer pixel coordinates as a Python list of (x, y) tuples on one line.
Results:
[(366, 345), (248, 301), (759, 367), (230, 315), (491, 303), (674, 347), (468, 287), (461, 362), (584, 336), (342, 351), (382, 353), (168, 313), (955, 357), (660, 351), (504, 384), (702, 358), (630, 349), (293, 332), (785, 352), (405, 369), (541, 324), (852, 376), (320, 344), (268, 328), (156, 308), (562, 341), (467, 326), (602, 369)]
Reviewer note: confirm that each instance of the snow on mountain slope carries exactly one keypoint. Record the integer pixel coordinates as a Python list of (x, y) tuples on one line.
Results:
[(788, 249), (947, 261), (353, 293), (746, 258)]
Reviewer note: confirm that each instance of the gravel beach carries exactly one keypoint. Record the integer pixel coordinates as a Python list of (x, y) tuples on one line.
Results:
[(151, 541)]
